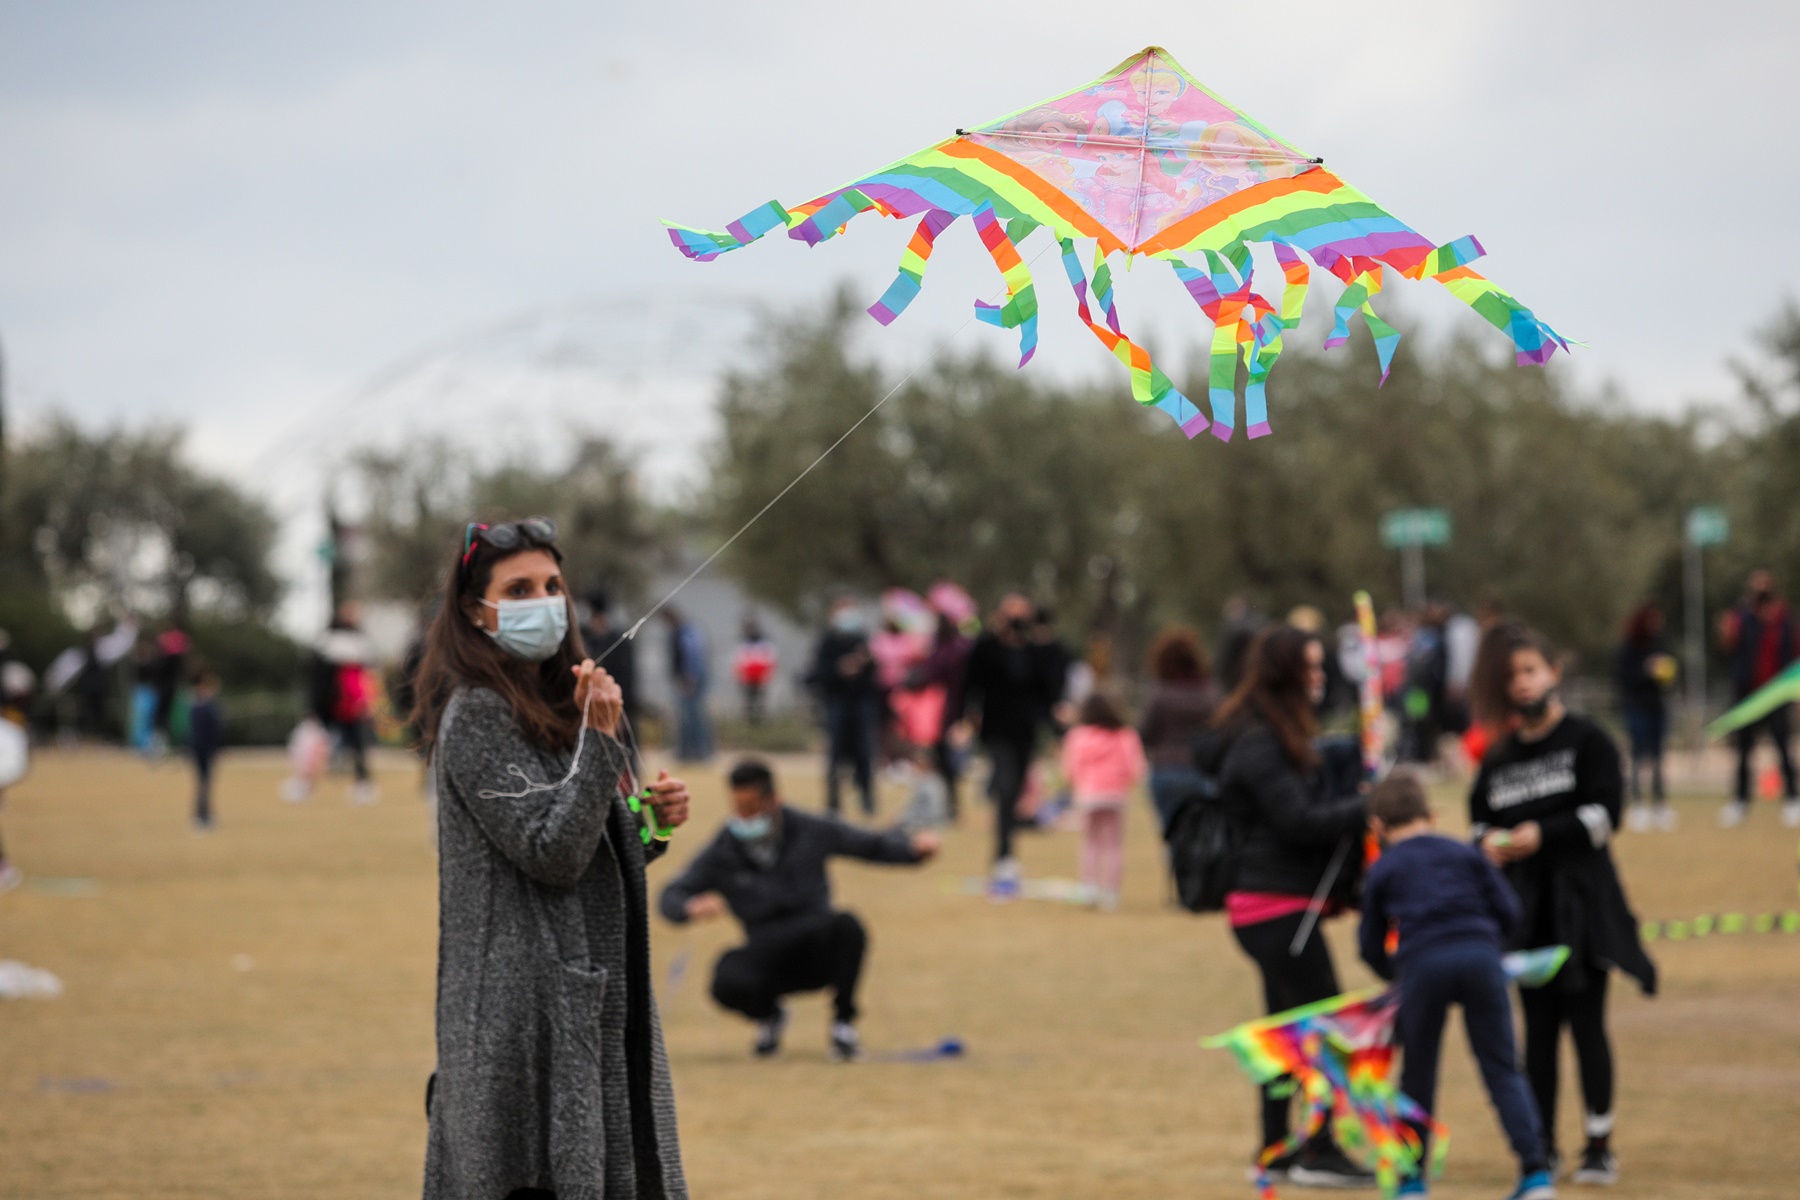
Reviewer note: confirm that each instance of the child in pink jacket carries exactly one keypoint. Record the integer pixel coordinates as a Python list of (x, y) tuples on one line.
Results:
[(1103, 761)]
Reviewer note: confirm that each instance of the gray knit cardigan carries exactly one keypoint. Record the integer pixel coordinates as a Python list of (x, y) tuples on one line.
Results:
[(551, 1071)]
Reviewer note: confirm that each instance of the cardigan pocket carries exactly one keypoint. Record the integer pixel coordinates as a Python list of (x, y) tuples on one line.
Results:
[(577, 1089)]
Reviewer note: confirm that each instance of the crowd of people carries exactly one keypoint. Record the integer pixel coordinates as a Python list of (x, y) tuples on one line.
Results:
[(552, 1078), (1472, 696)]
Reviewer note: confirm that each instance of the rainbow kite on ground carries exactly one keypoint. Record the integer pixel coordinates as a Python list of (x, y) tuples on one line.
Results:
[(1338, 1054), (1146, 161)]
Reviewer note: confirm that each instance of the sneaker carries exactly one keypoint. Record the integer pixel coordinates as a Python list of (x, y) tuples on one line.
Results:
[(295, 790), (1790, 813), (1003, 884), (364, 791), (768, 1034), (1598, 1166), (10, 877), (846, 1043), (1732, 814), (1329, 1167), (1639, 819), (1412, 1185), (1666, 821), (1539, 1185)]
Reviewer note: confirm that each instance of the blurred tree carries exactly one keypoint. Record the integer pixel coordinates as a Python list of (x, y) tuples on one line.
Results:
[(1564, 509), (417, 502), (1761, 487), (970, 473), (248, 655), (120, 521), (414, 504)]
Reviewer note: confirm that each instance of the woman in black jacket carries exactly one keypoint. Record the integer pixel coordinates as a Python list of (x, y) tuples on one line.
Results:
[(1298, 841), (1544, 809)]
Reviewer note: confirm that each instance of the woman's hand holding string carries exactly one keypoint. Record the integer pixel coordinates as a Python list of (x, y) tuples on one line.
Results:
[(598, 696)]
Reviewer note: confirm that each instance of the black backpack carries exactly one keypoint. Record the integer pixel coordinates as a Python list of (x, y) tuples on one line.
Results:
[(1203, 840)]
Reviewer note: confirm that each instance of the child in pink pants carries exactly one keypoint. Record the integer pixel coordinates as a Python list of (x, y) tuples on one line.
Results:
[(1103, 761)]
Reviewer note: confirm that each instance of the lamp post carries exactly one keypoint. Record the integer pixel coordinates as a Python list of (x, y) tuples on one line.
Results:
[(1410, 530), (1706, 526)]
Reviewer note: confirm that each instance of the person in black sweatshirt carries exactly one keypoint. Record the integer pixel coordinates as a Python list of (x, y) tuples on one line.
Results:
[(1450, 912), (767, 866), (1544, 808)]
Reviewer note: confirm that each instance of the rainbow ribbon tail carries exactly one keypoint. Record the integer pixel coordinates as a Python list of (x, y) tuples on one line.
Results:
[(1534, 341), (911, 276), (1149, 386), (703, 245), (1021, 308)]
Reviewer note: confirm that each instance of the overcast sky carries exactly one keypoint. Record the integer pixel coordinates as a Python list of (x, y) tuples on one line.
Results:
[(234, 215)]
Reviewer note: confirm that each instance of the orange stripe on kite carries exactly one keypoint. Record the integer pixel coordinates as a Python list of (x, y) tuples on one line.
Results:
[(1187, 229), (1044, 191)]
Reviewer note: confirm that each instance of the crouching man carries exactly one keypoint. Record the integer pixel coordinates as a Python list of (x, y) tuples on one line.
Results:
[(767, 866)]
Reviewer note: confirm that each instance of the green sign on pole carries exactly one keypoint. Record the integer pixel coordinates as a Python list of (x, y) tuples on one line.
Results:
[(1415, 527), (1707, 526)]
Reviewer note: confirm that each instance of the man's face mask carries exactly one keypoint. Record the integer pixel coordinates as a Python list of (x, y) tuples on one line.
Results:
[(847, 620), (750, 829), (530, 629)]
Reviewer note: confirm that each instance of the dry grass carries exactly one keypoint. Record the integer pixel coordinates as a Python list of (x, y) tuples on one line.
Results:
[(168, 1070)]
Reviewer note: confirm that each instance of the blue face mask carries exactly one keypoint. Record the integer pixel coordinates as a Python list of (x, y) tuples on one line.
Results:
[(750, 829), (530, 629)]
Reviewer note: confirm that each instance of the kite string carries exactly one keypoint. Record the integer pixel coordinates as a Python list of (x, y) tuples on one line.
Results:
[(632, 632)]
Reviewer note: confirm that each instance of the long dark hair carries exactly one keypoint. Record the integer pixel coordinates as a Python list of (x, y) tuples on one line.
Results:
[(459, 654), (1274, 690), (1490, 680)]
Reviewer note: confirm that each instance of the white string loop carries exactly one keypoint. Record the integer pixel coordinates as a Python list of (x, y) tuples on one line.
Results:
[(531, 787)]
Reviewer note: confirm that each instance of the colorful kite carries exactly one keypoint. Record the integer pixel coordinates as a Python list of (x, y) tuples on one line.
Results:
[(1338, 1054), (1146, 161), (1783, 689)]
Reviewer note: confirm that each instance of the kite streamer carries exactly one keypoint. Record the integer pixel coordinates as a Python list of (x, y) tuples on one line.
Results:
[(1723, 923), (1147, 161), (1781, 690)]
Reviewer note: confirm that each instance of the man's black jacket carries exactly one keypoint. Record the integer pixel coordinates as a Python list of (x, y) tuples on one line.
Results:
[(796, 885)]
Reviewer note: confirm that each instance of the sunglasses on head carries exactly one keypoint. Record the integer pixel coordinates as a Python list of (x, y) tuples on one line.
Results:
[(509, 535)]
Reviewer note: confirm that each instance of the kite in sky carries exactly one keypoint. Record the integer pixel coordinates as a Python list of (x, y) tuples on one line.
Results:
[(1145, 160)]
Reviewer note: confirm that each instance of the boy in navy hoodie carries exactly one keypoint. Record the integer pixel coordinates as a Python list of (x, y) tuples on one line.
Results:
[(1452, 911)]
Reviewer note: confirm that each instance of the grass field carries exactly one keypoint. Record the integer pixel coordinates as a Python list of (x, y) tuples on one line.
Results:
[(248, 1014)]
